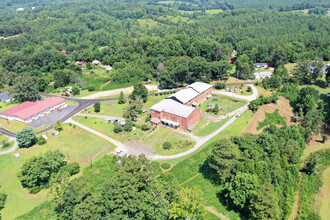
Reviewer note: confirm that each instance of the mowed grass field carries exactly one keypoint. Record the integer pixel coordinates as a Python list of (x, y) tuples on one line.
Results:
[(180, 142), (324, 195), (99, 125), (76, 143), (205, 127)]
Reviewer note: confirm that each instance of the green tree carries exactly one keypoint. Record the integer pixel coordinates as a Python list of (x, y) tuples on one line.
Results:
[(239, 189), (97, 107), (216, 109), (128, 125), (223, 158), (264, 203), (139, 91), (121, 99), (244, 67), (75, 90), (25, 89), (26, 138), (325, 137), (327, 77), (3, 198), (36, 172), (188, 204), (279, 57), (134, 108)]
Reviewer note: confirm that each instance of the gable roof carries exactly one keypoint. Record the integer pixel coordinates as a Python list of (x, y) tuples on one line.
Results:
[(200, 87), (5, 96), (184, 95), (173, 107), (28, 109)]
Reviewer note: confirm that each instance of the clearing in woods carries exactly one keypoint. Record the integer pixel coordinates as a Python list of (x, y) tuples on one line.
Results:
[(284, 109)]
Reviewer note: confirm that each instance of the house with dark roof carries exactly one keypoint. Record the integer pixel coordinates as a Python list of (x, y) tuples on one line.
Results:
[(5, 96), (30, 111)]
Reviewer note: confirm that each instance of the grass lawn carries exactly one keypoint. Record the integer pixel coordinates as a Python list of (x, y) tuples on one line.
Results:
[(147, 23), (180, 142), (77, 143), (99, 125), (7, 105), (324, 202), (13, 126), (211, 195), (241, 90), (312, 149), (205, 127), (213, 11), (228, 104), (10, 145), (112, 108)]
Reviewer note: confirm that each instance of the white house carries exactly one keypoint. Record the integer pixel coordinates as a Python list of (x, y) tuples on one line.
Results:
[(96, 62), (262, 75), (20, 9)]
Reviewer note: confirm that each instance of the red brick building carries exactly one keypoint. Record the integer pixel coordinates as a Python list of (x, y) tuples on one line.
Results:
[(179, 110)]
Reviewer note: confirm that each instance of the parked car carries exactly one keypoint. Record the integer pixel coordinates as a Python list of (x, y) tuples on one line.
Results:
[(115, 121), (133, 119)]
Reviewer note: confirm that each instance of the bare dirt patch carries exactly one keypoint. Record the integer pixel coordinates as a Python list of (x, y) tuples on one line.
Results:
[(283, 105)]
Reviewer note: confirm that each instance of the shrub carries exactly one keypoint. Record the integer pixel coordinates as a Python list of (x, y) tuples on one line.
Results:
[(75, 91), (167, 145), (324, 138), (97, 107), (145, 127), (71, 168), (74, 126), (219, 85), (58, 126), (249, 89), (117, 129), (41, 140), (165, 166), (156, 94), (90, 88)]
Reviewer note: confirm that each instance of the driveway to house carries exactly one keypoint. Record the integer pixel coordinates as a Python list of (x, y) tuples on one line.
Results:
[(235, 95), (14, 147)]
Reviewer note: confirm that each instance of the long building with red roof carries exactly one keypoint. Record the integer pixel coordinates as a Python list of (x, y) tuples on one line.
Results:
[(30, 111)]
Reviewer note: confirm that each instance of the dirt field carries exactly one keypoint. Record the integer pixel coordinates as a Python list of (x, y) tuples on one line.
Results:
[(284, 110)]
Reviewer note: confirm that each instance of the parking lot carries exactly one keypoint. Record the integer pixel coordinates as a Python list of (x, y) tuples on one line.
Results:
[(52, 117)]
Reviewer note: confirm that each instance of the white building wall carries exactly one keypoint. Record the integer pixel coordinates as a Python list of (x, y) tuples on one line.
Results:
[(34, 117)]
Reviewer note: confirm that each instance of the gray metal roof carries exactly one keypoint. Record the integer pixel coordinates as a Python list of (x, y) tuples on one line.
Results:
[(173, 107), (184, 95), (200, 87), (5, 96)]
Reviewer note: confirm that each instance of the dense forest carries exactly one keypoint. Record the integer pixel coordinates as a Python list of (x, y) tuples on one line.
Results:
[(162, 50)]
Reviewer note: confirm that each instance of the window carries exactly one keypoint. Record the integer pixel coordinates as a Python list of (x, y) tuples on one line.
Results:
[(173, 118)]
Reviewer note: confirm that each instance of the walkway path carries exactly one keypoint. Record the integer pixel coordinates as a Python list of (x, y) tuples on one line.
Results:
[(202, 141), (14, 147), (119, 145), (221, 216), (102, 116)]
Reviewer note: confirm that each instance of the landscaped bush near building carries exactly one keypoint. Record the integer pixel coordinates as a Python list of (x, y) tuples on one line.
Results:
[(58, 126), (165, 166), (26, 137), (219, 85), (167, 145)]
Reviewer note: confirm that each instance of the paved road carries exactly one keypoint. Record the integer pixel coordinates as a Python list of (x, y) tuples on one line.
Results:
[(14, 147), (235, 95)]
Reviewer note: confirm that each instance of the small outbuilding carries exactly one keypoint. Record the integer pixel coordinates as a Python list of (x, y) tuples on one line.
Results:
[(55, 132), (5, 96), (96, 62), (44, 136), (122, 154), (105, 67), (123, 123)]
